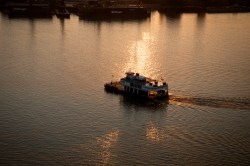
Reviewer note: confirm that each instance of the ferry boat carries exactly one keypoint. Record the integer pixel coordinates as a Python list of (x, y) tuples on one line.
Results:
[(137, 85)]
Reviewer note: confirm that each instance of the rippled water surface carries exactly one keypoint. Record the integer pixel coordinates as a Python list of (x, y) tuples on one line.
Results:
[(54, 111)]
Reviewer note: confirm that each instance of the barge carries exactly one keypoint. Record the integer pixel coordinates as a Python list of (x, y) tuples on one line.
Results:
[(96, 9), (140, 86)]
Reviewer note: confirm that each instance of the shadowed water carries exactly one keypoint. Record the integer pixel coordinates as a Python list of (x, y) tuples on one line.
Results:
[(54, 110)]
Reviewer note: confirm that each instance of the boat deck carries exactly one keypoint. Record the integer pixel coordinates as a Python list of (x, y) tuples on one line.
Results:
[(114, 87)]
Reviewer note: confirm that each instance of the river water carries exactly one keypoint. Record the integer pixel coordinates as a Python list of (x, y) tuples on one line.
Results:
[(54, 110)]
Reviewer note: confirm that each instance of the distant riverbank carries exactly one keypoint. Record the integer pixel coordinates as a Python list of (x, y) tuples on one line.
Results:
[(197, 9), (43, 8)]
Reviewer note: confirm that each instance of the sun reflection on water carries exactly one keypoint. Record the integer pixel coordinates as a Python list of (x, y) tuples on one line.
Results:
[(107, 142), (155, 134), (140, 54)]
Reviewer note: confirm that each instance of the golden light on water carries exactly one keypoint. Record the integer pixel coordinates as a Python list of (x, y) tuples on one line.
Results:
[(154, 134), (140, 55), (107, 142)]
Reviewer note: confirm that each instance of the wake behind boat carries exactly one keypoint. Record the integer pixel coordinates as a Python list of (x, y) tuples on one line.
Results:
[(139, 86)]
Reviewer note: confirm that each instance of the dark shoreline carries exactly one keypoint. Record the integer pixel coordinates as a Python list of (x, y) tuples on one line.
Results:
[(190, 9), (48, 9)]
